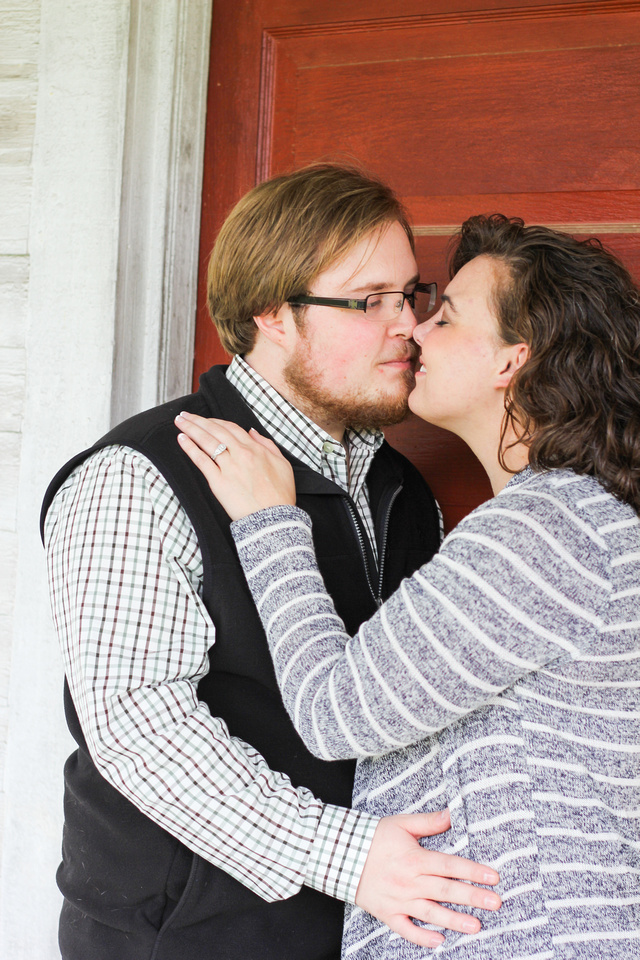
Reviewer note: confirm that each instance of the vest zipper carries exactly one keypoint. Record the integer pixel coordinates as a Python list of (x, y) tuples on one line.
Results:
[(377, 597), (383, 541), (363, 550)]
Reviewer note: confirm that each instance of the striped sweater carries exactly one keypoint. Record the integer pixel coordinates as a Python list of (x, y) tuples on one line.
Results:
[(501, 680)]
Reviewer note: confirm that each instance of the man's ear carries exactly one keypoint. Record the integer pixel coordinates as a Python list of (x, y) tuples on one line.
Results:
[(511, 359), (274, 325)]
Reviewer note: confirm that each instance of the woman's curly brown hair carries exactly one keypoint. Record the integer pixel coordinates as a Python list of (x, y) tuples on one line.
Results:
[(576, 401)]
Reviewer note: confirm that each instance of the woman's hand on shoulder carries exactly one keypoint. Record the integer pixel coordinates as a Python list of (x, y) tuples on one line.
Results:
[(245, 471)]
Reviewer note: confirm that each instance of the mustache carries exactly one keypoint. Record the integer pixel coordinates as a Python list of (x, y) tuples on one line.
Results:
[(411, 352)]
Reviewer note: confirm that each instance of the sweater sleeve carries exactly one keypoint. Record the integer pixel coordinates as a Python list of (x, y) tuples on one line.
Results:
[(503, 597)]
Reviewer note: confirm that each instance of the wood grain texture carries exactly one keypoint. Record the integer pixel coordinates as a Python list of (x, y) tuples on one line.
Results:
[(528, 109)]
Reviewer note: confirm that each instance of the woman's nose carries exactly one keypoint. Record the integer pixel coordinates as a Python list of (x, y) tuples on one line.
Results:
[(420, 331)]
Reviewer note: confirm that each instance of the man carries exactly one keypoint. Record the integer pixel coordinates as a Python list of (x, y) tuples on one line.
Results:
[(197, 825)]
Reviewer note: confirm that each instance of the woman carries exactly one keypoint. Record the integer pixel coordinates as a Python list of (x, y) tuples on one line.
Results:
[(501, 679)]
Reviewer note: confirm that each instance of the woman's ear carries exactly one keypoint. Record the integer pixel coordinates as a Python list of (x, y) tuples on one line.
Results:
[(512, 357)]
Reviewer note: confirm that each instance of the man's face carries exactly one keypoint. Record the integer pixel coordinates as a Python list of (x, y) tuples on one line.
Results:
[(343, 369)]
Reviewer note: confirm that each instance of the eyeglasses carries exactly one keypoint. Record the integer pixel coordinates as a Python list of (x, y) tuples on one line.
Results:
[(381, 307)]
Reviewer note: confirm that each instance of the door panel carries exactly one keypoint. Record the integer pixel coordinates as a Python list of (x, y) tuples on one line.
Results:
[(522, 108)]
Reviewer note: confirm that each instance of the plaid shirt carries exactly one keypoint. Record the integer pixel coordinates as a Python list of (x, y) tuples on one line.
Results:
[(125, 575), (347, 463)]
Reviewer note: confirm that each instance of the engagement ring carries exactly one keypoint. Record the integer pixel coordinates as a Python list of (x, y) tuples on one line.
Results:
[(218, 450)]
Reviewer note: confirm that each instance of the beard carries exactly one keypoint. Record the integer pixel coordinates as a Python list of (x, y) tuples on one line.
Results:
[(352, 409)]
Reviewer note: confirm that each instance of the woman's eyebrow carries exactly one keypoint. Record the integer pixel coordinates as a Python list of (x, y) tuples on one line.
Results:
[(445, 298)]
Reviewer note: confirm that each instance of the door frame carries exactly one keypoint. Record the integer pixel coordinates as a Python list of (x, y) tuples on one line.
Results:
[(161, 196)]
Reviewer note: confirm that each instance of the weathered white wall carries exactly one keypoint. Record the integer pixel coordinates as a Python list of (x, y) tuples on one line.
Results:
[(69, 243), (18, 89), (101, 123)]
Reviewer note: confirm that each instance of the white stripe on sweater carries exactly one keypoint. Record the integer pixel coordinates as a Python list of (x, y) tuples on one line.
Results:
[(587, 741), (577, 521), (524, 691), (441, 649), (550, 541)]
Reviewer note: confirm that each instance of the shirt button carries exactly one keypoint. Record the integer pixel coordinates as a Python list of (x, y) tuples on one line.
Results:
[(327, 447)]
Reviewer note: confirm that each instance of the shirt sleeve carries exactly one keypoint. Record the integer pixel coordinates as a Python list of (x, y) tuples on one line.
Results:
[(502, 597), (125, 575)]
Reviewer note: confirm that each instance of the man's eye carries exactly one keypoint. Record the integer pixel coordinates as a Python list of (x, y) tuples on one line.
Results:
[(374, 303), (440, 323)]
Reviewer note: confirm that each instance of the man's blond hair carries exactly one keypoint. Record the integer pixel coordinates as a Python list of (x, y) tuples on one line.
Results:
[(285, 232)]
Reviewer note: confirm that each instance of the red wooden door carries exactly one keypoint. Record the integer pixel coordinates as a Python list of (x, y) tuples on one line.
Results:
[(464, 106)]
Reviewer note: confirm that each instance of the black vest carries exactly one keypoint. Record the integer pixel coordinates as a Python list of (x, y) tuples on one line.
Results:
[(132, 891)]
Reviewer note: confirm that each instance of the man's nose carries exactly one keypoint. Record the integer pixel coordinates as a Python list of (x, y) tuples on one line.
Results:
[(404, 323)]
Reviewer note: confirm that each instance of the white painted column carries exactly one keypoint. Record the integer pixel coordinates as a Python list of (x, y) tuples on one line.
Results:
[(113, 240), (73, 247), (160, 210)]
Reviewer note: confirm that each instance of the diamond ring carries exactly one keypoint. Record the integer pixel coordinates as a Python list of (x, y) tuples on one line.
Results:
[(218, 450)]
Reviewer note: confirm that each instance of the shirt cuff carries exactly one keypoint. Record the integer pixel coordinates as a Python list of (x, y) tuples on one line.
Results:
[(339, 850)]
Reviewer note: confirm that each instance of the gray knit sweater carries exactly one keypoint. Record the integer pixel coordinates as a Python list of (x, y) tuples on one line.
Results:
[(501, 680)]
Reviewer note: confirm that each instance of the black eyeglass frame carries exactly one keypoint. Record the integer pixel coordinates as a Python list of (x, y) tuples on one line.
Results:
[(350, 304)]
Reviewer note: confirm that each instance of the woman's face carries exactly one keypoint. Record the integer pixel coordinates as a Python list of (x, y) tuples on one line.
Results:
[(461, 353)]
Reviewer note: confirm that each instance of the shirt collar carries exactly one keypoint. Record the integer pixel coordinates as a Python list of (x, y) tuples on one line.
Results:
[(291, 428)]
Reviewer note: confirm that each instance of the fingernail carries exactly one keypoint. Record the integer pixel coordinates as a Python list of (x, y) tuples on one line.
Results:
[(491, 901), (470, 925), (490, 877), (442, 814)]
